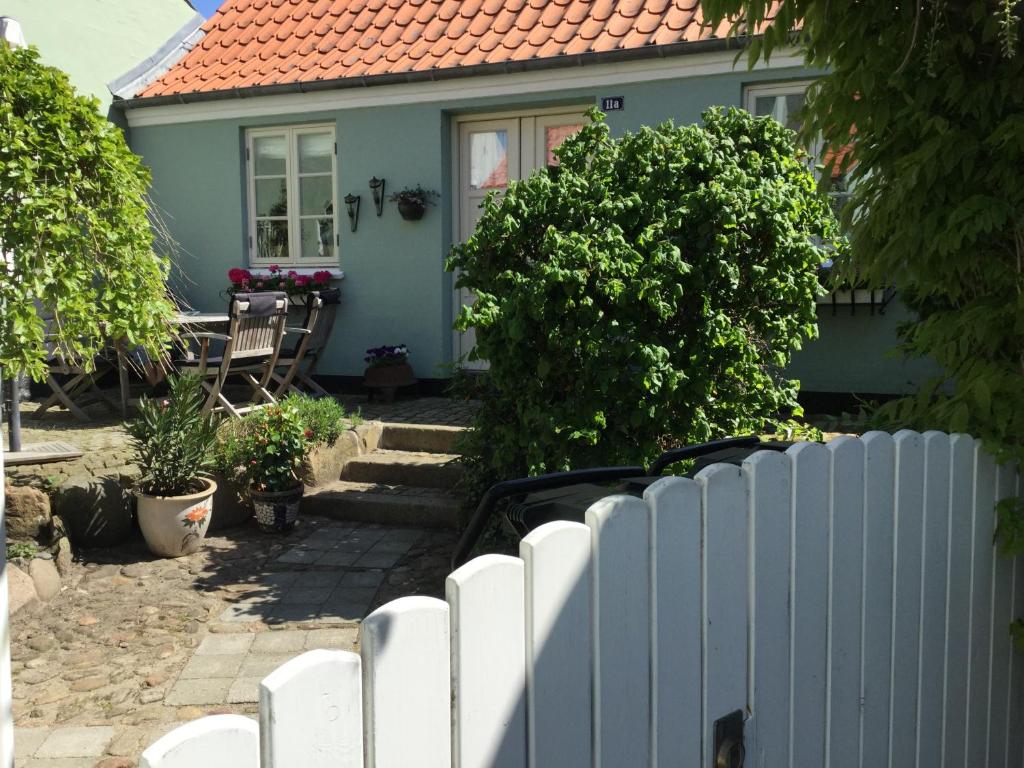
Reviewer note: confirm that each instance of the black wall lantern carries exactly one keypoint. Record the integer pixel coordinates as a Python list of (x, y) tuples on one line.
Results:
[(352, 204), (377, 187)]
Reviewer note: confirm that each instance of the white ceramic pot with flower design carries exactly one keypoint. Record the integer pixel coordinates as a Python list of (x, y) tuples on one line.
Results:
[(175, 526)]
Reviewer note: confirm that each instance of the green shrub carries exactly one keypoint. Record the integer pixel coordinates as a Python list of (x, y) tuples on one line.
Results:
[(649, 292), (264, 450), (323, 415), (173, 440)]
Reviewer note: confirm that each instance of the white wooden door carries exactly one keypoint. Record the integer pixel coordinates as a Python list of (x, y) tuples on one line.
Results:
[(492, 153)]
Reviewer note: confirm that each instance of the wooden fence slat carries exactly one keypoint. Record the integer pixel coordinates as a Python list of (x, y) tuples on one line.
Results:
[(1002, 615), (620, 546), (846, 542), (958, 621), (934, 581), (676, 619), (488, 657), (876, 657), (407, 684), (311, 712), (769, 476), (724, 509), (809, 597), (559, 653), (983, 514), (226, 741), (907, 593)]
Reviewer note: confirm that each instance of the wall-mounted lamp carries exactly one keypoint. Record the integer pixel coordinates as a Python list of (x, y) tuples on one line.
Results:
[(352, 204), (377, 186)]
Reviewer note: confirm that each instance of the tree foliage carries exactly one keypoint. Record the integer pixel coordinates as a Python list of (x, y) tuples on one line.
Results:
[(933, 93), (648, 291), (73, 223)]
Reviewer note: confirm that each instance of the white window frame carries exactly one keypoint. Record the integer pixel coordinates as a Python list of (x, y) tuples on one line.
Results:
[(294, 217), (817, 150)]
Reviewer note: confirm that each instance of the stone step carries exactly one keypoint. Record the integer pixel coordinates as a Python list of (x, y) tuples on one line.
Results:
[(427, 438), (385, 504), (419, 469)]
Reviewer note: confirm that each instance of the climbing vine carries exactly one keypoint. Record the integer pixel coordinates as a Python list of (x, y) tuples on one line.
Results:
[(75, 235)]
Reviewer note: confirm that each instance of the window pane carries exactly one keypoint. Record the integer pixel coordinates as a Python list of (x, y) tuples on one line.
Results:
[(315, 150), (785, 108), (554, 135), (488, 160), (271, 197), (272, 240), (317, 238), (316, 195), (270, 152)]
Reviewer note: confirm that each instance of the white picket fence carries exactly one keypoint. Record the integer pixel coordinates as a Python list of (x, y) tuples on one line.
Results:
[(848, 599)]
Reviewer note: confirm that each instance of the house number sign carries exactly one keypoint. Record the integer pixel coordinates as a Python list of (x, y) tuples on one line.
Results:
[(611, 103)]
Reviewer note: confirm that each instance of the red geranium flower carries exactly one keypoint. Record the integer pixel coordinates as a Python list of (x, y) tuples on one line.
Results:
[(238, 275), (274, 269)]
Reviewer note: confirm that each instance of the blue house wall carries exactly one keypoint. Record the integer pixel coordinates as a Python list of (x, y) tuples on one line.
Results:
[(395, 289)]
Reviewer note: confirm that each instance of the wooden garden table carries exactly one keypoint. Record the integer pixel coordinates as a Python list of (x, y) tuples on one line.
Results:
[(187, 322)]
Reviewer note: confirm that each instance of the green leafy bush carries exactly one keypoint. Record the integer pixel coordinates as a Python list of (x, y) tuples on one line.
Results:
[(173, 439), (937, 128), (74, 215), (265, 449), (648, 292), (323, 416)]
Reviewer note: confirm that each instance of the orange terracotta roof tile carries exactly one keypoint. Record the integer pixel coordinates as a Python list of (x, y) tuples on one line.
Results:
[(250, 43)]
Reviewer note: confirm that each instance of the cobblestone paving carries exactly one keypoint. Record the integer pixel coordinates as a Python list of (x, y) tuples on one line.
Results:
[(133, 645), (102, 441)]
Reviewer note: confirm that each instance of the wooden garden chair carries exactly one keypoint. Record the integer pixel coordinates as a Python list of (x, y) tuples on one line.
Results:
[(321, 312), (251, 347), (72, 392)]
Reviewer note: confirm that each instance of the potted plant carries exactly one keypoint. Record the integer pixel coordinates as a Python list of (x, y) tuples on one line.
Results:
[(413, 202), (387, 370), (270, 449), (173, 441)]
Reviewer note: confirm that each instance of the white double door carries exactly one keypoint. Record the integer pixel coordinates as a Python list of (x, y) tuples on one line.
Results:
[(491, 154)]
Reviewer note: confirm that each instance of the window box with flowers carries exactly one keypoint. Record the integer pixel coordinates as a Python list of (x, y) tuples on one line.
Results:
[(297, 285)]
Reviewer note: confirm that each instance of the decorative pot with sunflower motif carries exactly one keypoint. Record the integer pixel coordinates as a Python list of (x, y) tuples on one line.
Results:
[(175, 526)]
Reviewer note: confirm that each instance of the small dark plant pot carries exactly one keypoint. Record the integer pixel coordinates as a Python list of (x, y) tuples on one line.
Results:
[(411, 210), (277, 511), (383, 380)]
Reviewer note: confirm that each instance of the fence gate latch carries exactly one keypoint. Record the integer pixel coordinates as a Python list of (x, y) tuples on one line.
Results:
[(729, 749)]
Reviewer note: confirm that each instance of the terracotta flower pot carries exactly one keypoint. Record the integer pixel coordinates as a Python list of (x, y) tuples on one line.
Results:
[(277, 511), (385, 379), (175, 526)]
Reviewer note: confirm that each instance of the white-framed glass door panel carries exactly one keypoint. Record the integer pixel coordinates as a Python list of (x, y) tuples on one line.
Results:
[(489, 157)]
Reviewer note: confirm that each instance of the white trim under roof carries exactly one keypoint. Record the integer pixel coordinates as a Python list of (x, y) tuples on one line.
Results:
[(483, 86)]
